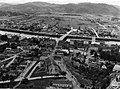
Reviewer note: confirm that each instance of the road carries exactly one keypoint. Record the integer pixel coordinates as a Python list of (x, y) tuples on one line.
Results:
[(33, 70), (25, 71), (101, 25), (7, 58), (69, 76), (11, 57), (23, 74), (57, 41), (14, 57)]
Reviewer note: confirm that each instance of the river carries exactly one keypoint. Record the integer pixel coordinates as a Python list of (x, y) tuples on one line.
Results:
[(21, 34), (29, 36)]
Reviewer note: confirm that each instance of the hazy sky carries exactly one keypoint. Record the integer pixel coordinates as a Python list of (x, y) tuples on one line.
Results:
[(114, 2)]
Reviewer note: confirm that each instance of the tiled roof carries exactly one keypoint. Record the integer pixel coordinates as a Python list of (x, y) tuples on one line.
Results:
[(57, 58)]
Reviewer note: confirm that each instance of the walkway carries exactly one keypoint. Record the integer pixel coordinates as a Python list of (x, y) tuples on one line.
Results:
[(70, 77), (11, 57), (14, 57), (33, 70), (25, 71)]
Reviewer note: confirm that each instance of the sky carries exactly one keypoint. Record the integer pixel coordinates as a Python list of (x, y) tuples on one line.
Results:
[(113, 2)]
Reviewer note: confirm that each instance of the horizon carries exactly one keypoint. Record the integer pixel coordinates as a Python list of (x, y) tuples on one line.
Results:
[(110, 2)]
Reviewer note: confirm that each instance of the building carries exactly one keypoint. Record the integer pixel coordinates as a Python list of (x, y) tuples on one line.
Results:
[(106, 49), (94, 47), (116, 68), (58, 59), (24, 42), (59, 52), (3, 46), (115, 83), (62, 84)]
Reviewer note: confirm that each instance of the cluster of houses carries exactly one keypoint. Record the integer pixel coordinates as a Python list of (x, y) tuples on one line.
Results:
[(84, 53)]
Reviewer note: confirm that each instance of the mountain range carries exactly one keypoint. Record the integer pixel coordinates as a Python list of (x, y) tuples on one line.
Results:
[(38, 7)]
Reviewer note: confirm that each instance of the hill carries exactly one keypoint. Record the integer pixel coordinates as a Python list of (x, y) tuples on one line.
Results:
[(88, 8), (4, 4), (91, 8)]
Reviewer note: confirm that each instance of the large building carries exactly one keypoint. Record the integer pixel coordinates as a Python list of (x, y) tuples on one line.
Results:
[(62, 84)]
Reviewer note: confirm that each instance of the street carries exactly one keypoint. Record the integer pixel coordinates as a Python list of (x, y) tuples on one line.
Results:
[(69, 76)]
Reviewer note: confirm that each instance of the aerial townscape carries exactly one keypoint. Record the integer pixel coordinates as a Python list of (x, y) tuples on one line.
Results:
[(52, 46)]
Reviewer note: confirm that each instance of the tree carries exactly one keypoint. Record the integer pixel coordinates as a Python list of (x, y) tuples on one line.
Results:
[(63, 73), (92, 52), (82, 85), (4, 37), (13, 45), (25, 81), (15, 38)]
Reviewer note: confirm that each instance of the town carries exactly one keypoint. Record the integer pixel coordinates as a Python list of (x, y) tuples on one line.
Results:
[(62, 61)]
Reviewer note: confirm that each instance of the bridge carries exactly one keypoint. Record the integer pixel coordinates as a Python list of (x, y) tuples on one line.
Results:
[(65, 35), (95, 32)]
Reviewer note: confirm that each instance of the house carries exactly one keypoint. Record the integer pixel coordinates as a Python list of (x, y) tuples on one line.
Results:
[(59, 47), (105, 49), (116, 68), (54, 69), (65, 51), (62, 84), (43, 57), (115, 83), (71, 42), (86, 42), (28, 58), (58, 59), (59, 52), (103, 67), (24, 42), (47, 61), (115, 19), (3, 45), (67, 59), (76, 64), (93, 48)]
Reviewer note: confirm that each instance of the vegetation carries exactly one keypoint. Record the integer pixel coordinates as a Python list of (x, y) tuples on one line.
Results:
[(10, 13), (43, 7)]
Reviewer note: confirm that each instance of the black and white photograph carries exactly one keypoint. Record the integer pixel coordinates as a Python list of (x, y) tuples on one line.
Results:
[(59, 44)]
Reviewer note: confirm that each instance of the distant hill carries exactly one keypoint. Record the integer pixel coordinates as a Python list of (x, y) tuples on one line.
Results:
[(117, 7), (10, 13), (7, 12), (89, 8), (4, 4)]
